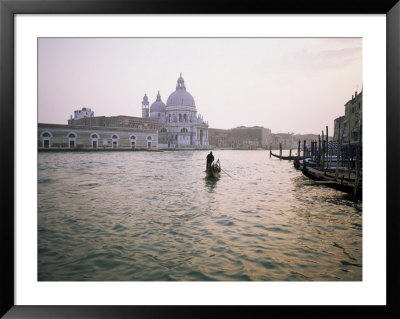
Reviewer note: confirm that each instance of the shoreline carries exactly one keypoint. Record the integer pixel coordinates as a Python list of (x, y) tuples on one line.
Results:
[(50, 150)]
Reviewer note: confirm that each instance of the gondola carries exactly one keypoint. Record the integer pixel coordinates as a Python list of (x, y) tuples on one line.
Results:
[(342, 185), (287, 158), (214, 171)]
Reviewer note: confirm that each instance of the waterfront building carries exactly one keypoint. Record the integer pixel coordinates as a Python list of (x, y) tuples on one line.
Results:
[(181, 125), (250, 137), (241, 137), (59, 136), (338, 127), (117, 122), (220, 138), (351, 122), (286, 139)]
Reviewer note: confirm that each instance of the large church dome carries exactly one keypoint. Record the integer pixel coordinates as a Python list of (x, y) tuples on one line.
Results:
[(158, 105), (180, 97)]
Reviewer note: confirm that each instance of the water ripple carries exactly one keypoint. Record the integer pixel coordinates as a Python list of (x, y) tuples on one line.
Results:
[(154, 216)]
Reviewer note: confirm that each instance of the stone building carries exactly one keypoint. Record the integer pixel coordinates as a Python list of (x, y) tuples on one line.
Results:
[(286, 139), (241, 137), (250, 137), (350, 124), (338, 127), (58, 136), (181, 126), (117, 121), (220, 138), (84, 112)]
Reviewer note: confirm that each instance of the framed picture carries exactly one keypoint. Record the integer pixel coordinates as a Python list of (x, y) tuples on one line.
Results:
[(165, 273)]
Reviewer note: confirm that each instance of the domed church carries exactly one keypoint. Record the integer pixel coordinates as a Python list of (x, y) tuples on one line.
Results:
[(181, 126)]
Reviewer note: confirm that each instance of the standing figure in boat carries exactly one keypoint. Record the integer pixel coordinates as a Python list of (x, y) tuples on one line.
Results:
[(210, 159)]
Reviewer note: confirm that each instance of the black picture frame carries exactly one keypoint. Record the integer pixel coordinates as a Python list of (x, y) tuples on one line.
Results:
[(8, 8)]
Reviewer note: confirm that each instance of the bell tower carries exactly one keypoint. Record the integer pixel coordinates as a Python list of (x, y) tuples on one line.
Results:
[(145, 106)]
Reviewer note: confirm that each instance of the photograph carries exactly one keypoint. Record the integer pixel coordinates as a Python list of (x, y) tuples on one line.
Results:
[(180, 160), (199, 159)]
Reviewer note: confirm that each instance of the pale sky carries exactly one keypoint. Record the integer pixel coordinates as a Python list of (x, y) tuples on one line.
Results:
[(295, 85)]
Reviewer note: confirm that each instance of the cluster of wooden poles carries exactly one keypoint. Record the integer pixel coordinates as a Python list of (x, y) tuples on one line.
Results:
[(348, 163), (348, 158)]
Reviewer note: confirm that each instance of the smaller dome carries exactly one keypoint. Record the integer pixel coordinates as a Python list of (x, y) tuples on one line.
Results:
[(158, 105)]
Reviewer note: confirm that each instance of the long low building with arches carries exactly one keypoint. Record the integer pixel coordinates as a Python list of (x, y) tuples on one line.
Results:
[(58, 136)]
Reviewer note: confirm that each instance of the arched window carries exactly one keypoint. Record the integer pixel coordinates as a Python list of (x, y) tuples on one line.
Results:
[(133, 141), (184, 130), (114, 142), (184, 117), (180, 117), (94, 138), (163, 130), (149, 138), (46, 139), (71, 140)]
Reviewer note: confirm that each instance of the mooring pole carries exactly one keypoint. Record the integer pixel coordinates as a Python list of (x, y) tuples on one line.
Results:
[(327, 148), (304, 155), (313, 150), (323, 151), (350, 160), (298, 150), (358, 165), (338, 155), (349, 151), (319, 152)]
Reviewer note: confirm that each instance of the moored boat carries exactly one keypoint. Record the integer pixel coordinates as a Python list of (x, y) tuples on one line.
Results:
[(342, 184), (287, 158)]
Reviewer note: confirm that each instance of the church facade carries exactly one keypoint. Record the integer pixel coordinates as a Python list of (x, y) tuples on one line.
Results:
[(181, 125)]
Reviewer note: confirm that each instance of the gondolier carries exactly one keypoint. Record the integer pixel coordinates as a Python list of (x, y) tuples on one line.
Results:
[(210, 159)]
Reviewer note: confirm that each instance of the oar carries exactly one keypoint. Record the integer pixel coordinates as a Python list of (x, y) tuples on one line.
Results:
[(226, 172)]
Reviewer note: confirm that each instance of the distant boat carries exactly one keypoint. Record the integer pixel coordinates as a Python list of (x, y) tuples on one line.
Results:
[(214, 171), (288, 158)]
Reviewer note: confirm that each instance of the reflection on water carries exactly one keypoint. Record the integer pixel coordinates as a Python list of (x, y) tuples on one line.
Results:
[(155, 216), (211, 183)]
